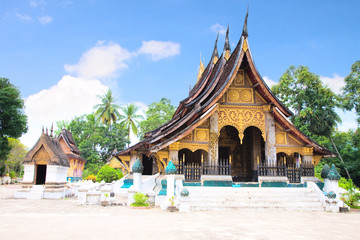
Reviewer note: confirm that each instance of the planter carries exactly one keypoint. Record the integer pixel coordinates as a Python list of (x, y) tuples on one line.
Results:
[(172, 208), (105, 203)]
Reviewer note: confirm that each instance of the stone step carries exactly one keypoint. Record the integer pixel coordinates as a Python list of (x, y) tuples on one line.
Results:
[(216, 208), (258, 199)]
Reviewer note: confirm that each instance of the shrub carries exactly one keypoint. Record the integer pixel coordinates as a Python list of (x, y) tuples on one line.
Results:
[(108, 174), (351, 197), (140, 200), (12, 174), (91, 177)]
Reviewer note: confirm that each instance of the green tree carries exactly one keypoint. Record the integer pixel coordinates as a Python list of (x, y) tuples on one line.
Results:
[(12, 118), (107, 110), (130, 119), (351, 91), (313, 103), (16, 157), (108, 174), (95, 140), (158, 114)]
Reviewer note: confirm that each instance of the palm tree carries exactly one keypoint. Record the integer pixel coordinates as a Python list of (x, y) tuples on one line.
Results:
[(130, 119), (107, 111)]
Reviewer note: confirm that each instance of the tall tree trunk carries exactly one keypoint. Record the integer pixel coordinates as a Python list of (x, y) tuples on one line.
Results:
[(337, 151)]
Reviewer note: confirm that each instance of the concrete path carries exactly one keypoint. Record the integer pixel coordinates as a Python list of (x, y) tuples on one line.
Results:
[(62, 219)]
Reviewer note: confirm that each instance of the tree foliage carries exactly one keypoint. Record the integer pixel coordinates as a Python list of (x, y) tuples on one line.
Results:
[(15, 158), (313, 103), (95, 141), (351, 91), (12, 118), (130, 118), (108, 174), (158, 114), (107, 110)]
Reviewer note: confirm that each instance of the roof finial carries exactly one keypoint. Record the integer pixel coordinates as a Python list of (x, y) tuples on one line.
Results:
[(42, 129), (201, 69), (52, 129), (227, 49), (215, 55), (245, 31), (47, 131)]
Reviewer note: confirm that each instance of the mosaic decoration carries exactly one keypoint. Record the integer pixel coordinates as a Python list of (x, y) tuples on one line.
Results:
[(280, 138), (170, 168), (138, 167), (213, 145), (241, 119), (325, 171), (331, 195), (201, 135), (184, 192), (333, 173), (240, 95)]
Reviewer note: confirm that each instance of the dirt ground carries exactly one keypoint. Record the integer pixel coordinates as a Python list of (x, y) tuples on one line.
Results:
[(63, 219)]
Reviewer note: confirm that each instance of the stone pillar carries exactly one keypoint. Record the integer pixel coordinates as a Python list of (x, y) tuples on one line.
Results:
[(137, 170), (170, 188), (214, 140), (270, 149)]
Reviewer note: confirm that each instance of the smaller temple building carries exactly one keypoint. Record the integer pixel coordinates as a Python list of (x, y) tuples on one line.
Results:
[(51, 163)]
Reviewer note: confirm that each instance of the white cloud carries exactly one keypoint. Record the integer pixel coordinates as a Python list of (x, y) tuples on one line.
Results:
[(23, 17), (218, 28), (159, 49), (102, 61), (269, 82), (45, 20), (70, 97), (38, 3), (336, 82)]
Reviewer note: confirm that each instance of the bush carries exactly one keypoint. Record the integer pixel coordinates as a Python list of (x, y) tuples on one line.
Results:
[(140, 200), (108, 174), (351, 197), (12, 174), (91, 177)]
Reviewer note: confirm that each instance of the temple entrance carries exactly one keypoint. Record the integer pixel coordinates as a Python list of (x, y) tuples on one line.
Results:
[(243, 156), (191, 163), (148, 165), (40, 174)]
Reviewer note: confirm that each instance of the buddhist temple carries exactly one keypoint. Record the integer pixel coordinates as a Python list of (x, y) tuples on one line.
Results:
[(230, 124), (51, 163)]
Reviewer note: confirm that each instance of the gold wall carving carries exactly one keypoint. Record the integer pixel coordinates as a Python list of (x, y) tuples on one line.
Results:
[(291, 150), (241, 119), (245, 46), (201, 135), (227, 55), (187, 137), (240, 95), (239, 80), (41, 156), (195, 146), (175, 146), (293, 141), (316, 159), (213, 145), (258, 99), (280, 138)]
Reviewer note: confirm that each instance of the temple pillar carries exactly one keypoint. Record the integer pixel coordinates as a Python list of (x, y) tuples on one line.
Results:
[(270, 149), (256, 154), (132, 159), (307, 159), (174, 156), (214, 139)]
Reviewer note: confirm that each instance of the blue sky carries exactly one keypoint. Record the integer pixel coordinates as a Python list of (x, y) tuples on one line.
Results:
[(61, 54)]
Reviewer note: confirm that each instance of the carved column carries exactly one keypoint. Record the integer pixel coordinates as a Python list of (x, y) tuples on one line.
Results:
[(132, 159), (214, 140), (270, 149)]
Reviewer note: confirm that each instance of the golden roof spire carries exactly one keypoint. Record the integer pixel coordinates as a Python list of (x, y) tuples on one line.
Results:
[(201, 69)]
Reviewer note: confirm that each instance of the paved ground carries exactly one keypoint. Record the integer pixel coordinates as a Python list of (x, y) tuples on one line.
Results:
[(62, 219)]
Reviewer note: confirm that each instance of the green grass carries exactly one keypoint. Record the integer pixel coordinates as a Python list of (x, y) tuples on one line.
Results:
[(139, 204)]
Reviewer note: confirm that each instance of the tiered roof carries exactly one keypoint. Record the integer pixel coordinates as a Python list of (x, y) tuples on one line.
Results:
[(203, 99)]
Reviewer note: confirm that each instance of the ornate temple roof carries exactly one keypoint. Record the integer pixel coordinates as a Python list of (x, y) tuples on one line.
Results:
[(203, 99), (52, 149)]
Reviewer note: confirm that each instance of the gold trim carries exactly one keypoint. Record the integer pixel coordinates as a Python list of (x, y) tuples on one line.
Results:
[(195, 146), (245, 45), (290, 150), (201, 135), (293, 138)]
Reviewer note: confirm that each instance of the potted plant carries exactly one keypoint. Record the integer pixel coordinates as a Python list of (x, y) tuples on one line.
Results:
[(106, 201), (172, 207)]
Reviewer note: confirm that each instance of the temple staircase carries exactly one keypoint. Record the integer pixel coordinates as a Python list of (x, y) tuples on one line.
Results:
[(36, 192), (220, 198)]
